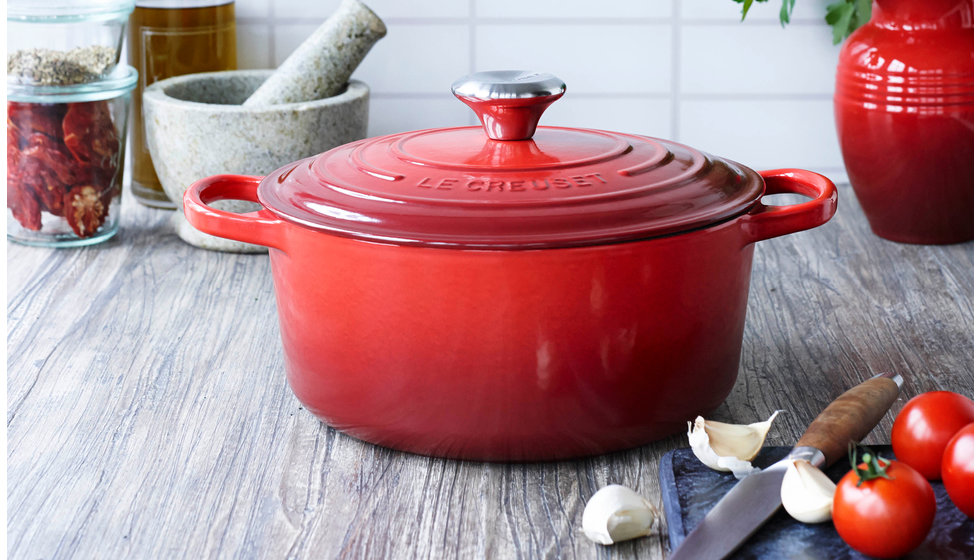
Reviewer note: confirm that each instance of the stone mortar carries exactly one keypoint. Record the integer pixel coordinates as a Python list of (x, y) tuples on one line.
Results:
[(196, 127)]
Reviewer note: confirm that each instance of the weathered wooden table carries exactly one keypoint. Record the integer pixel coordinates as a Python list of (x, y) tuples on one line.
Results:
[(148, 414)]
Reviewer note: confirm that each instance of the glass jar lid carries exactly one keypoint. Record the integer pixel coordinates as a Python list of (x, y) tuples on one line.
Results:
[(510, 184), (182, 4), (68, 10), (120, 81)]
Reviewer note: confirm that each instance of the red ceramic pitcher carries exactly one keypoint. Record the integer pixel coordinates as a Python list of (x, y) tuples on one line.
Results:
[(904, 111)]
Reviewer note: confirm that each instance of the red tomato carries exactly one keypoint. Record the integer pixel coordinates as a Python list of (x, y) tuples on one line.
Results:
[(884, 517), (924, 427), (958, 469)]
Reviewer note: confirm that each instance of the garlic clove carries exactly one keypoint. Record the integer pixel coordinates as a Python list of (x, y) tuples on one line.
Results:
[(739, 468), (807, 492), (737, 440), (728, 447), (616, 513)]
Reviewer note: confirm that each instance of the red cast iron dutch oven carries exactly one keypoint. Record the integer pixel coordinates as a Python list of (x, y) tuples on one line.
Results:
[(478, 293)]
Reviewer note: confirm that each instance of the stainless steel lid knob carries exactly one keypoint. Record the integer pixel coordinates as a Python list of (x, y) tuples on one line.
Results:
[(509, 102)]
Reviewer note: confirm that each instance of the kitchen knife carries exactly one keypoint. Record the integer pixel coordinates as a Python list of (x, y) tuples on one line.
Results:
[(755, 498)]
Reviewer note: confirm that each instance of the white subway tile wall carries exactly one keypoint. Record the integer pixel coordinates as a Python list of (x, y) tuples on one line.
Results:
[(595, 59), (756, 60), (686, 70)]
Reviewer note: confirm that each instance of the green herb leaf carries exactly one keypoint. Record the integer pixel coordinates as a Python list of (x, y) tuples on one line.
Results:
[(786, 11), (845, 16), (746, 4), (839, 17), (862, 10)]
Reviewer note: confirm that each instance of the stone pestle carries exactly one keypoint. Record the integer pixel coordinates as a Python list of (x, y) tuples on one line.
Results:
[(322, 65)]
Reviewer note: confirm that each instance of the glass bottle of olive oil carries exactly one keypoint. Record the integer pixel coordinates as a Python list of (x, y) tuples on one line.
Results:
[(170, 38)]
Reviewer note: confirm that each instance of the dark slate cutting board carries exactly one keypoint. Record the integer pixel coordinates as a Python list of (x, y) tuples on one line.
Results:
[(690, 489)]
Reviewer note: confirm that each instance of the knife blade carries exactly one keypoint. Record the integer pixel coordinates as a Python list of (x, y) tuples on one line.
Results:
[(751, 502)]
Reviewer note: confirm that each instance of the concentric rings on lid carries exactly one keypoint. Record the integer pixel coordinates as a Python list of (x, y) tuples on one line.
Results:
[(461, 188)]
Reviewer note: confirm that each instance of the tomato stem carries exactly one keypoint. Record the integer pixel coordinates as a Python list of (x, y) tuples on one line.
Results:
[(876, 466)]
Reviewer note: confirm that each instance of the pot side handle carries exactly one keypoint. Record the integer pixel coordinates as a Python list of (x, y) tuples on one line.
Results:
[(259, 228), (765, 222)]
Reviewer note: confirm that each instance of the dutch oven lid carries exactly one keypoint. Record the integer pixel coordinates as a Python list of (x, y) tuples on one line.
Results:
[(497, 187)]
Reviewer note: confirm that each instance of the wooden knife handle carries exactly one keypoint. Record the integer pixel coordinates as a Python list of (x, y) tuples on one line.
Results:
[(852, 416)]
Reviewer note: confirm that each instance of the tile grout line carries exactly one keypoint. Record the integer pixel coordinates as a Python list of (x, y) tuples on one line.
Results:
[(471, 27), (668, 95), (270, 55), (472, 23), (433, 20), (675, 72)]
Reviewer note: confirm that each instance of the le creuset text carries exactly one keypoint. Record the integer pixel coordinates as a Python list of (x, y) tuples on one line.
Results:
[(476, 184)]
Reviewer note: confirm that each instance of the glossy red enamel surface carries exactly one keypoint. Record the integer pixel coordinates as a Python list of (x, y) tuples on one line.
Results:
[(509, 119), (457, 187), (511, 354), (516, 355), (904, 112)]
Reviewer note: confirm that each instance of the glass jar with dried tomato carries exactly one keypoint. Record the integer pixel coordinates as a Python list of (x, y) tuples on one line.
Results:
[(65, 151)]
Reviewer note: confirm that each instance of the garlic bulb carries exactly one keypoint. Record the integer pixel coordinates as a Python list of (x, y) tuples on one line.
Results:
[(728, 447), (807, 492), (616, 513)]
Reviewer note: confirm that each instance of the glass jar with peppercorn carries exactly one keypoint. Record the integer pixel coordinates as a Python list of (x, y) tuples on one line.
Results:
[(67, 108)]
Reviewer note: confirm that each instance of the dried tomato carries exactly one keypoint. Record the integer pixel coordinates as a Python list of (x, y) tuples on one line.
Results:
[(98, 177), (48, 168), (86, 208), (20, 199), (29, 118), (13, 150), (90, 134), (13, 158), (54, 155), (25, 209)]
